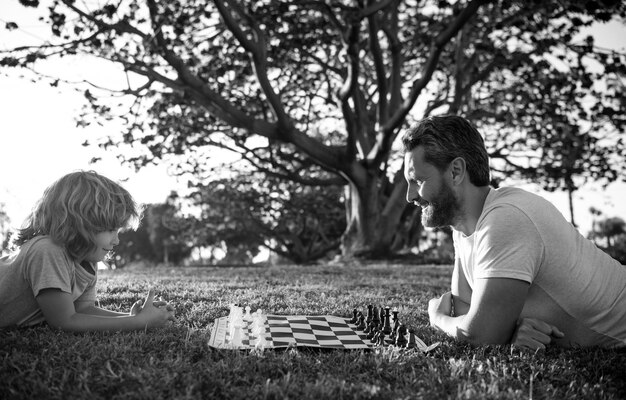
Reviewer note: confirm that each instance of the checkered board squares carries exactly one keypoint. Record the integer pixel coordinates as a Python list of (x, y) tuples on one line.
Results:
[(315, 331), (281, 331)]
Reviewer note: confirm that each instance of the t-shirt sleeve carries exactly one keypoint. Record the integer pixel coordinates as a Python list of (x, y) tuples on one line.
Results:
[(508, 245), (48, 267), (89, 295)]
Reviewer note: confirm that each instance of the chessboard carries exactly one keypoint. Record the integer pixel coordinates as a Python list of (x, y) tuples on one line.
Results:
[(284, 331)]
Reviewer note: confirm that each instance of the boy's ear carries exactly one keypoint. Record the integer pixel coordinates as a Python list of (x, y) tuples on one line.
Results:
[(458, 170)]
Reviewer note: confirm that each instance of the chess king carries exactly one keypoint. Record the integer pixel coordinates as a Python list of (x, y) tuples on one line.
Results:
[(522, 273)]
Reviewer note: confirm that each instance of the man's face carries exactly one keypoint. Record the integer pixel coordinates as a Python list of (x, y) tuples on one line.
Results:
[(429, 189)]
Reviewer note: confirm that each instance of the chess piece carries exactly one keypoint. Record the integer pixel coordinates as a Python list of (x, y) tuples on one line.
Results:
[(395, 315), (381, 338), (376, 316), (387, 324), (370, 313), (374, 338), (247, 316), (401, 336), (412, 342), (361, 324), (355, 316), (371, 331)]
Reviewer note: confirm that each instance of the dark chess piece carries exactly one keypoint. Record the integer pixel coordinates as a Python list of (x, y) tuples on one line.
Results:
[(374, 338), (361, 324), (401, 340), (412, 342), (381, 339), (370, 313), (355, 316), (387, 324), (372, 331), (395, 316), (375, 316), (369, 327), (394, 331)]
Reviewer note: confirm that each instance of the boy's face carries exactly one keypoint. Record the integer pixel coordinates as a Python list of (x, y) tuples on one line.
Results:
[(105, 242)]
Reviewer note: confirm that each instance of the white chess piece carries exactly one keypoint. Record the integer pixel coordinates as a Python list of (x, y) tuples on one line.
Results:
[(247, 316)]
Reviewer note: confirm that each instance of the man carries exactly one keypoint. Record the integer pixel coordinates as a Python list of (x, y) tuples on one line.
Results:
[(522, 273)]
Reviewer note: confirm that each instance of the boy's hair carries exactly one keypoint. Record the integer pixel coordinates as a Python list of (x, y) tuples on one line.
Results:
[(446, 138), (77, 207)]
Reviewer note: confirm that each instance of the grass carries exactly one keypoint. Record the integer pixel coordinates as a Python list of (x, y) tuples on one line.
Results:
[(176, 363)]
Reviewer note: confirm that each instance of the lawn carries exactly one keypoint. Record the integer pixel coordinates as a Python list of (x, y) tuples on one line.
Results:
[(176, 363)]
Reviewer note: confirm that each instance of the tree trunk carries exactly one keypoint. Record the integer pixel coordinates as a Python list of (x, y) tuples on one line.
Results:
[(374, 220), (570, 194)]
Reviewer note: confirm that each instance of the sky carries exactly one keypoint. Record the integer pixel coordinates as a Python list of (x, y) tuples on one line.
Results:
[(40, 142)]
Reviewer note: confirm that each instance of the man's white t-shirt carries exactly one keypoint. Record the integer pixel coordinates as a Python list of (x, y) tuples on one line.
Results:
[(573, 284)]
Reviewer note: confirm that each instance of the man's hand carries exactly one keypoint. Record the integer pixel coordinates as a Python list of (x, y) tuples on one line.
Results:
[(533, 334), (439, 306)]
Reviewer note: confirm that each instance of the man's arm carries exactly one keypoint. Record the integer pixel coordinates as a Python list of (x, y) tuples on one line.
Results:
[(461, 290), (491, 318)]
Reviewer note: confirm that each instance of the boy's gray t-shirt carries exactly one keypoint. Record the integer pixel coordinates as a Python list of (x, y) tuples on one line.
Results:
[(573, 284), (40, 264)]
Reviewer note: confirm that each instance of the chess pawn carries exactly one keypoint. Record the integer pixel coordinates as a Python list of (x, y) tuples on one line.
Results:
[(361, 324), (247, 316), (371, 330), (370, 313), (355, 316), (376, 316), (412, 342), (375, 336), (381, 338), (237, 336), (401, 336), (387, 325)]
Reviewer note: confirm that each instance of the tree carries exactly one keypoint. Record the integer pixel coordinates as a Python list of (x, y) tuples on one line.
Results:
[(316, 92), (163, 236), (609, 228), (249, 211), (5, 226)]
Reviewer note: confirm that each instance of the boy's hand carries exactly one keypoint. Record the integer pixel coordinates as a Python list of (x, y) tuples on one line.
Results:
[(136, 308), (155, 313)]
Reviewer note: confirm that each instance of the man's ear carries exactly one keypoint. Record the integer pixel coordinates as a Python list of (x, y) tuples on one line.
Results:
[(458, 170)]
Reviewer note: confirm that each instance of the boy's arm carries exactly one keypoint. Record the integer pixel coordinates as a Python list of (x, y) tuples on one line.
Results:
[(59, 311)]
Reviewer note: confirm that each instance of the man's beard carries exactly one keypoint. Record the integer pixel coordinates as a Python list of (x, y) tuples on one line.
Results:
[(442, 210)]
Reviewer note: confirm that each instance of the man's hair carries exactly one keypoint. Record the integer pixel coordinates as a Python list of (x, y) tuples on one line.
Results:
[(447, 137), (77, 207)]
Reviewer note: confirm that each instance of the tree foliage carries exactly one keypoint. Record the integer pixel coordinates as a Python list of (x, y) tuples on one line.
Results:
[(249, 211), (163, 236), (316, 92), (5, 229)]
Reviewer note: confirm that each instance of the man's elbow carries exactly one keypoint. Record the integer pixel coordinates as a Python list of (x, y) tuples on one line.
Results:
[(475, 335)]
